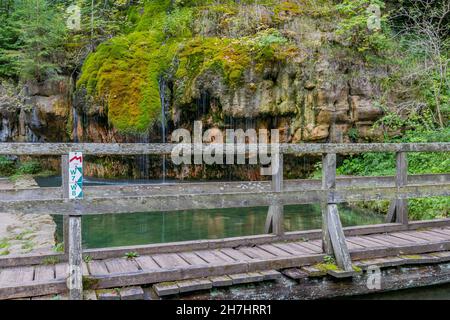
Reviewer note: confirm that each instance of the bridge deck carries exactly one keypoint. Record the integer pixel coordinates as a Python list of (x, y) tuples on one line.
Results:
[(36, 280)]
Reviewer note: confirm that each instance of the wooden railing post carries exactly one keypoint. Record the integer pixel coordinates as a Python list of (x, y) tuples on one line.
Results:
[(72, 238), (333, 237), (401, 205), (328, 183), (65, 192), (275, 215), (75, 280)]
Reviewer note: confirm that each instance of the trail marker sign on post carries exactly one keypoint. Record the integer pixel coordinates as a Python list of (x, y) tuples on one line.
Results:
[(75, 175)]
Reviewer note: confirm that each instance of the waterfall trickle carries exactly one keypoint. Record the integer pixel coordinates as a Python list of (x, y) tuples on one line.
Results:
[(162, 95), (75, 125)]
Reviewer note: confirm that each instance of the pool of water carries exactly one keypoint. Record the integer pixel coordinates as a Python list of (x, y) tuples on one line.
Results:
[(438, 292), (156, 227)]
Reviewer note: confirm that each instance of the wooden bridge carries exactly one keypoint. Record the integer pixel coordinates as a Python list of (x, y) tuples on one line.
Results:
[(26, 275)]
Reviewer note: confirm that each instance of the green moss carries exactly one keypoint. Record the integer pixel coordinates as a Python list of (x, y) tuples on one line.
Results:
[(89, 283), (123, 74), (50, 261), (324, 267)]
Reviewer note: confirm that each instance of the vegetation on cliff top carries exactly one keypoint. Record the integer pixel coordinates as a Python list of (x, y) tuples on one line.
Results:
[(124, 73)]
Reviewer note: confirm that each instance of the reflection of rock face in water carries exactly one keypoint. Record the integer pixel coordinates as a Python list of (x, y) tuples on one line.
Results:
[(20, 233)]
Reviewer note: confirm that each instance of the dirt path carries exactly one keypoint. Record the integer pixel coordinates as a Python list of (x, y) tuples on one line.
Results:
[(21, 234)]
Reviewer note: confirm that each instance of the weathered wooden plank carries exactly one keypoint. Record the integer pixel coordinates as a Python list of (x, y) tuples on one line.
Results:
[(425, 236), (391, 214), (31, 289), (75, 280), (270, 275), (445, 232), (108, 295), (194, 285), (274, 250), (147, 263), (235, 254), (166, 289), (161, 148), (406, 236), (311, 245), (275, 214), (224, 256), (364, 241), (192, 258), (121, 265), (241, 278), (437, 234), (131, 293), (256, 253), (17, 275), (295, 273), (221, 281), (380, 240), (65, 195), (156, 203), (351, 245), (170, 260), (44, 273), (216, 187), (401, 205), (328, 184), (340, 249), (61, 271), (393, 240), (290, 248), (210, 257), (97, 268)]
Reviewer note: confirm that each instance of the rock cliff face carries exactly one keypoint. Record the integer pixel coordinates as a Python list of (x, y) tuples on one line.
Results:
[(278, 65), (35, 112)]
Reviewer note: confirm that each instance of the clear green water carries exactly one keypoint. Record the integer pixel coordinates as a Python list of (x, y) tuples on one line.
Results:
[(157, 227)]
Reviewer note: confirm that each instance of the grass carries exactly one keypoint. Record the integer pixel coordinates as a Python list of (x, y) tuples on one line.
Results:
[(50, 261)]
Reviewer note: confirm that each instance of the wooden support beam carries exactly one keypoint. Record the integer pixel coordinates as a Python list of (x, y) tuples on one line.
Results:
[(65, 193), (328, 183), (275, 214), (401, 205), (337, 238), (75, 279), (390, 217), (166, 148)]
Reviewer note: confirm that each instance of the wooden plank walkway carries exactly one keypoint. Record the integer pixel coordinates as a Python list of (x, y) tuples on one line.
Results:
[(25, 281)]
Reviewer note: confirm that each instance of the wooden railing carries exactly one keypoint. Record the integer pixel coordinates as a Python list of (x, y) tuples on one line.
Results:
[(150, 198)]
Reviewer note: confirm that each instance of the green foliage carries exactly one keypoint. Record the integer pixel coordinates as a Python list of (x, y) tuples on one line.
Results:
[(353, 26), (50, 261), (382, 164), (131, 255), (59, 247), (29, 167), (7, 166)]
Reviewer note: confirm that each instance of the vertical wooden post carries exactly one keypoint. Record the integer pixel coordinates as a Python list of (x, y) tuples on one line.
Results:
[(401, 205), (333, 238), (275, 215), (65, 192), (75, 280), (328, 183)]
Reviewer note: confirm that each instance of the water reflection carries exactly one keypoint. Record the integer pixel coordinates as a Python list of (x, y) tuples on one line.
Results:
[(144, 228)]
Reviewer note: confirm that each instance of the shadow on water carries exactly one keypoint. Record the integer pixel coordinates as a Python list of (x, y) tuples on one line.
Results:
[(437, 292)]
